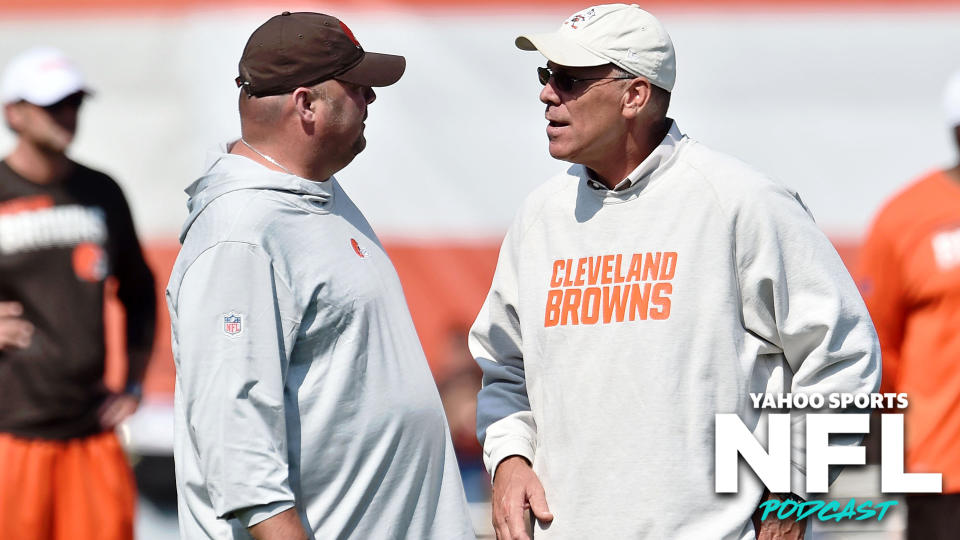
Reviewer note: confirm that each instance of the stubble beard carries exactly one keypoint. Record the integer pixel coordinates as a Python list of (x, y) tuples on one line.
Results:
[(359, 144)]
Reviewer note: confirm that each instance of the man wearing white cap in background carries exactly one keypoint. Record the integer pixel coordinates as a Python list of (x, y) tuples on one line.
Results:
[(909, 275), (64, 228), (641, 292)]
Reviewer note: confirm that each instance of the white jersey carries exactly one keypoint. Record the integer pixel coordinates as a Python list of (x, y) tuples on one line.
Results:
[(300, 378), (620, 322)]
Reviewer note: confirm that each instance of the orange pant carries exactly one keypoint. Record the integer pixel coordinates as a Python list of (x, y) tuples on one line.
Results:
[(82, 489)]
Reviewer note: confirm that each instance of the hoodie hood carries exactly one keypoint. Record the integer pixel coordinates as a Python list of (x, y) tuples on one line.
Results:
[(226, 173)]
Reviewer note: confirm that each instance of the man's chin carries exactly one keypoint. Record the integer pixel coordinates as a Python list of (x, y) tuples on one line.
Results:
[(558, 152)]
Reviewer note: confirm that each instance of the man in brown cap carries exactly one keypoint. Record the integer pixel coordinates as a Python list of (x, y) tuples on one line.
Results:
[(304, 404)]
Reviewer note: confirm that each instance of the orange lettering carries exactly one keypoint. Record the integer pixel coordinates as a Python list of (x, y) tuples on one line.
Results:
[(552, 314), (571, 301), (651, 266), (581, 268), (639, 301), (636, 263), (556, 280), (607, 269), (590, 312), (614, 302), (569, 271), (593, 271), (617, 278), (669, 265), (661, 299)]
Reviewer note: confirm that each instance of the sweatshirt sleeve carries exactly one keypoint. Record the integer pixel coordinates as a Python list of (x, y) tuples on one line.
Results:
[(234, 327), (505, 425), (798, 297)]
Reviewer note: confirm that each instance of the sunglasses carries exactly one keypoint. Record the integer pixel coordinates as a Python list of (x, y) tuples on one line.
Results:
[(564, 82)]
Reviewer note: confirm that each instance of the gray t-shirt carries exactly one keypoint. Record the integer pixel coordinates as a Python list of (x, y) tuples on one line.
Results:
[(300, 377)]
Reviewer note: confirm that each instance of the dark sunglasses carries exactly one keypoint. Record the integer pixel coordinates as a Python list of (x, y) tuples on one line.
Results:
[(73, 101), (565, 82)]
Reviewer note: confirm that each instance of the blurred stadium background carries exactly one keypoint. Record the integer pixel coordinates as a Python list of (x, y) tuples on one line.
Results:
[(840, 100)]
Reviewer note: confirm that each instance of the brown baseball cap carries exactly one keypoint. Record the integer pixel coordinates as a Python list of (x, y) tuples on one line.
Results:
[(302, 49)]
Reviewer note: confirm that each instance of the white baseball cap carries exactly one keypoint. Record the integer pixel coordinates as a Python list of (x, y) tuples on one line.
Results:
[(951, 100), (42, 76), (619, 34)]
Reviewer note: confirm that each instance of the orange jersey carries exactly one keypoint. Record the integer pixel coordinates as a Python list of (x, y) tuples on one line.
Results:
[(910, 279)]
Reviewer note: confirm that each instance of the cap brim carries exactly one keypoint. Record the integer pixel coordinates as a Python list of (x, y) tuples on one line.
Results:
[(376, 69), (48, 96), (560, 50), (52, 99)]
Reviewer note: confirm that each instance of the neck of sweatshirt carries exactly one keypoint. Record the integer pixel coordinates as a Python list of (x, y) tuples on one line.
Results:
[(635, 182)]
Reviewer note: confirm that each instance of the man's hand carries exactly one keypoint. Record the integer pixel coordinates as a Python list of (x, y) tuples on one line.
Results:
[(284, 526), (14, 331), (516, 489), (774, 528), (116, 408)]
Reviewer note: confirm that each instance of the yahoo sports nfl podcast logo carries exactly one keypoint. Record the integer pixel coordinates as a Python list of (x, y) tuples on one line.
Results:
[(773, 466), (233, 323)]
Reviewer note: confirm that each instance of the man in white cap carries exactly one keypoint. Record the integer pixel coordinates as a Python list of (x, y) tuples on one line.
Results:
[(64, 229), (650, 286), (909, 275)]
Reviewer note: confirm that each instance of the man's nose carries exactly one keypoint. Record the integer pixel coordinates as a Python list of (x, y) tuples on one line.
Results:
[(549, 94)]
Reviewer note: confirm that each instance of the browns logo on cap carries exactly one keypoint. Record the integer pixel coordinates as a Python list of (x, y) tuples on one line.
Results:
[(302, 49)]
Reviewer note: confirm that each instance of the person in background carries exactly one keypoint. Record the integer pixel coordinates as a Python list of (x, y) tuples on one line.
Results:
[(64, 229), (909, 275)]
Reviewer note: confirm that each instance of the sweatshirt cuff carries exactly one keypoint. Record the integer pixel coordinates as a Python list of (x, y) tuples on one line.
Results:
[(512, 447), (255, 514)]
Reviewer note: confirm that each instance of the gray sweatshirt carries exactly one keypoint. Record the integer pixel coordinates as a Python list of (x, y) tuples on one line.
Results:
[(300, 378), (619, 323)]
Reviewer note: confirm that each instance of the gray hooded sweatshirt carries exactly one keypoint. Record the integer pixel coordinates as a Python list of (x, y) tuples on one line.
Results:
[(300, 378)]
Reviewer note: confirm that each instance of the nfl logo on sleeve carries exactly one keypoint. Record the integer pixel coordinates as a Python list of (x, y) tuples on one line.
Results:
[(233, 324)]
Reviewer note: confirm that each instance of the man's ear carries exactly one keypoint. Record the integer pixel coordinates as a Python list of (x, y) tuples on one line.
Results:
[(636, 98), (305, 103)]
